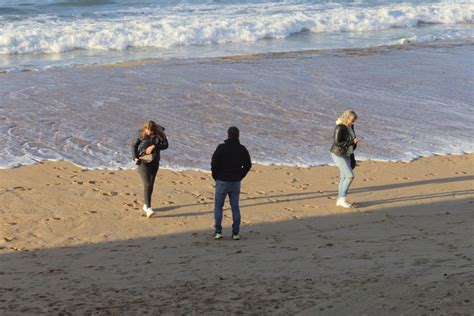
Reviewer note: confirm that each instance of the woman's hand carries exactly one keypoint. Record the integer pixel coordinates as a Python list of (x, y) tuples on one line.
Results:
[(149, 149), (356, 140)]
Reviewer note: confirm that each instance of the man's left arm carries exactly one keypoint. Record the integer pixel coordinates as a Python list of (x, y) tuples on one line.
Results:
[(215, 162)]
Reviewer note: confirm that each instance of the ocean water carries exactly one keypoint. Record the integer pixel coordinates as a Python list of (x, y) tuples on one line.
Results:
[(280, 70), (38, 34)]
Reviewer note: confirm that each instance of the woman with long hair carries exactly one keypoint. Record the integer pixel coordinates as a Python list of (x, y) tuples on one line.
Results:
[(146, 154), (342, 149)]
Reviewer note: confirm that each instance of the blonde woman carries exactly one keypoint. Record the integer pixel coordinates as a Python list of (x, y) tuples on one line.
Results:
[(146, 154), (344, 144)]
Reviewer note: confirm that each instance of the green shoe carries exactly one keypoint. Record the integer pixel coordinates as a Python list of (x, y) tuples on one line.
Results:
[(218, 235), (235, 237)]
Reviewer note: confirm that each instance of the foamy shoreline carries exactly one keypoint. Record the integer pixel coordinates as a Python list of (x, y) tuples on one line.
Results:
[(165, 166), (73, 239), (89, 115)]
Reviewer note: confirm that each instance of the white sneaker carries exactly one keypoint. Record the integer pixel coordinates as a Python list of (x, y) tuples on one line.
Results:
[(342, 201), (148, 211)]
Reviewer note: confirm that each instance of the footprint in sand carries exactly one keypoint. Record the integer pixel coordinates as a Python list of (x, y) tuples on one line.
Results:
[(402, 178), (200, 243), (110, 193), (368, 179), (302, 186), (167, 202), (18, 249), (461, 172), (430, 174), (20, 188), (204, 200), (276, 239)]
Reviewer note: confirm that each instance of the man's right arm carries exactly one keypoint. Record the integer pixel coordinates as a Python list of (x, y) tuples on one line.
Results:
[(246, 162)]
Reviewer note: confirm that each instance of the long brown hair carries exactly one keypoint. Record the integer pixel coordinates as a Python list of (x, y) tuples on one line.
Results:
[(154, 129)]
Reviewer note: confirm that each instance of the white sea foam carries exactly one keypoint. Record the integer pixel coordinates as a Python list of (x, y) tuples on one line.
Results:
[(205, 24)]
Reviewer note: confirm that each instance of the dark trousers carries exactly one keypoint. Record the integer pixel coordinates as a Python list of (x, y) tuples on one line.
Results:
[(231, 189), (148, 173)]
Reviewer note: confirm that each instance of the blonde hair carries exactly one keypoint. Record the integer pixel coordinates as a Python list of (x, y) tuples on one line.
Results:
[(346, 116), (154, 129)]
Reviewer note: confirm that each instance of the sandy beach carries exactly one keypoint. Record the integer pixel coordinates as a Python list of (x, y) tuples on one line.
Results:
[(78, 79), (75, 241)]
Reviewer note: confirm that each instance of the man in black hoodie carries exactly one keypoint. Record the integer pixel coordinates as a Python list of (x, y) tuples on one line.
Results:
[(230, 164)]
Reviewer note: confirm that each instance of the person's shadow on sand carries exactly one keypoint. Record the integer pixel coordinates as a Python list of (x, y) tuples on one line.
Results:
[(329, 194)]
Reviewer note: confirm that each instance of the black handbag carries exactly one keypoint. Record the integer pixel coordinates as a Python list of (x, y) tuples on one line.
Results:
[(353, 161)]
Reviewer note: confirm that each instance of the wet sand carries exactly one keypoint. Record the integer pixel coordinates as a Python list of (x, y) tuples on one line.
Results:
[(75, 241)]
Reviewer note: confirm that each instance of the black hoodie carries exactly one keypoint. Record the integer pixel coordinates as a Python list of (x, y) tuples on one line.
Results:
[(230, 162), (140, 144)]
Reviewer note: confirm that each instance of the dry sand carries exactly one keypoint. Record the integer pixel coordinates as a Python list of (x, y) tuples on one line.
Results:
[(75, 241)]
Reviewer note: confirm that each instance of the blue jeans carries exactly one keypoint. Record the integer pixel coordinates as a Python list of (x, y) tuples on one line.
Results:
[(223, 189), (346, 173)]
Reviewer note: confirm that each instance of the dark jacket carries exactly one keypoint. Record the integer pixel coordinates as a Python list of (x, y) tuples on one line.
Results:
[(140, 144), (342, 140), (230, 162)]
